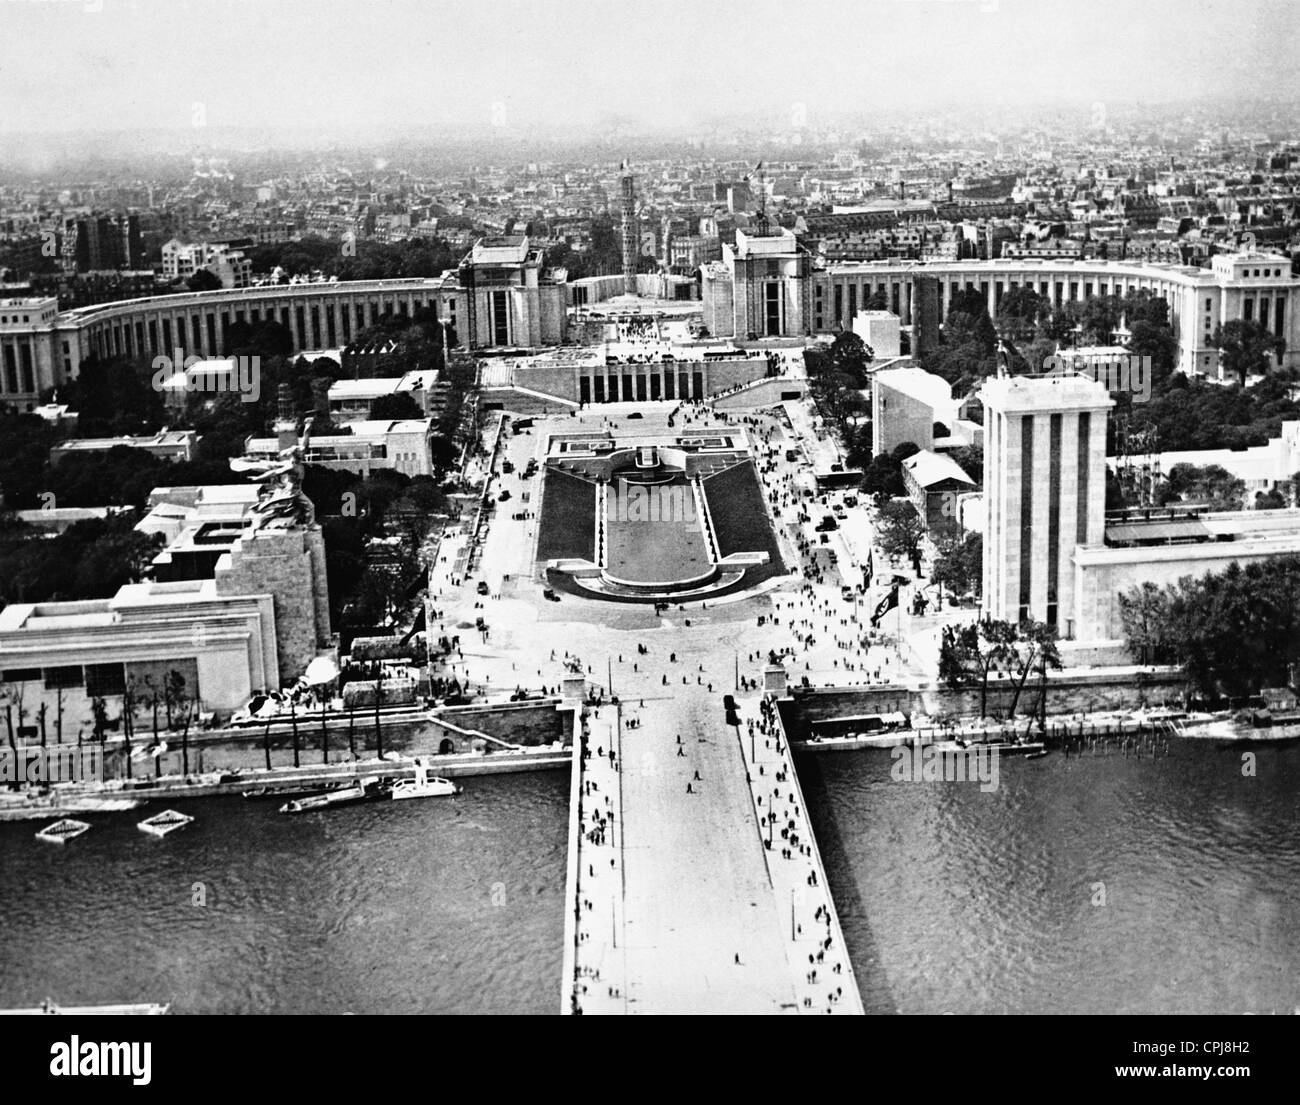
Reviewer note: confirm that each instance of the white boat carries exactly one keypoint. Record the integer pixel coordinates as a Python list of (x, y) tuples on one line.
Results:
[(36, 807), (95, 803), (48, 1008), (63, 831), (424, 785), (163, 823)]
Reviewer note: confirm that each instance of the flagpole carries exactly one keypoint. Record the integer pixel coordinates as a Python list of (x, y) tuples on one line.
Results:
[(898, 627)]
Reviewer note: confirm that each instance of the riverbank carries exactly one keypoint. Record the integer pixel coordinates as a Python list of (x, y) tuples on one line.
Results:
[(65, 798)]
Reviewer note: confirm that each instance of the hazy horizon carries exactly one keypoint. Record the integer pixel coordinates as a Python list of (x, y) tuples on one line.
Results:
[(524, 69)]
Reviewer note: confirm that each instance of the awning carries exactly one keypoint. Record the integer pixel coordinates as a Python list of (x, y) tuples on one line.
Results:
[(1141, 533)]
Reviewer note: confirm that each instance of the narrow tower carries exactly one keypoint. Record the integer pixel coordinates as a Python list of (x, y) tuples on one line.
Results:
[(629, 230)]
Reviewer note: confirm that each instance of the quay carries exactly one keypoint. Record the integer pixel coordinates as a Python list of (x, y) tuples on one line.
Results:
[(219, 783)]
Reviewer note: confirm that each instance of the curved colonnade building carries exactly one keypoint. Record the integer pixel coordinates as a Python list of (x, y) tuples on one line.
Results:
[(766, 286)]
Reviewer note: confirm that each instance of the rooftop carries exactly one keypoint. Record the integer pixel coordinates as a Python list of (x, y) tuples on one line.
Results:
[(929, 469), (504, 250)]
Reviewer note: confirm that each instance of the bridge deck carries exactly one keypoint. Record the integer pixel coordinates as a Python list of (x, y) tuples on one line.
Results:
[(681, 883)]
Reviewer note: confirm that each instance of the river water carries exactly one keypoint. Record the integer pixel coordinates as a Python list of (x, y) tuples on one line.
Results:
[(432, 906), (1093, 884)]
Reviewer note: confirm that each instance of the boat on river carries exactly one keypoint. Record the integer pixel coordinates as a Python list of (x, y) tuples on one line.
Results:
[(349, 795), (424, 785)]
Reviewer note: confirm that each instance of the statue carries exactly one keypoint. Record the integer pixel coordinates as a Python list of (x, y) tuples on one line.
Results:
[(280, 501)]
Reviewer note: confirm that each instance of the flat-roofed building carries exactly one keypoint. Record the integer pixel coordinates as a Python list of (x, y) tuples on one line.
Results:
[(167, 444), (29, 355), (401, 445), (1044, 491), (510, 302), (771, 284), (906, 402), (353, 400), (1164, 546), (880, 331)]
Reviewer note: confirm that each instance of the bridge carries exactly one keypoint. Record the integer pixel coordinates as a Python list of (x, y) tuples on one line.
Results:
[(694, 884)]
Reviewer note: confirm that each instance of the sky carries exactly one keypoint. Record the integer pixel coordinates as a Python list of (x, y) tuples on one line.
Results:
[(524, 66)]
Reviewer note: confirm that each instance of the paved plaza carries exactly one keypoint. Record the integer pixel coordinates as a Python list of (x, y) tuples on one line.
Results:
[(691, 855)]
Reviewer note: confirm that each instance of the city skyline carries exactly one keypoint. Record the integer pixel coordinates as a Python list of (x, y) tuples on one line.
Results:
[(580, 76)]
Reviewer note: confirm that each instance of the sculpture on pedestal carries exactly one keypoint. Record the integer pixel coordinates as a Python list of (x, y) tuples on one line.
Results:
[(281, 503)]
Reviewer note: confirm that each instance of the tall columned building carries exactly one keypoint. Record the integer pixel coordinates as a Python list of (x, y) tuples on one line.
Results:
[(1044, 492), (629, 229)]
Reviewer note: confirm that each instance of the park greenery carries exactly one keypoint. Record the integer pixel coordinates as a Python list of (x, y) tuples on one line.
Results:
[(837, 375), (371, 575), (1233, 632), (360, 260)]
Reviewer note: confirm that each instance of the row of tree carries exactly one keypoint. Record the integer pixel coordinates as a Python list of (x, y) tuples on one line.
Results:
[(1233, 631), (998, 654)]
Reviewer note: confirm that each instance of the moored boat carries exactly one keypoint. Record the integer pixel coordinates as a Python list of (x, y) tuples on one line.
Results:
[(48, 1008), (291, 791), (344, 796), (424, 785)]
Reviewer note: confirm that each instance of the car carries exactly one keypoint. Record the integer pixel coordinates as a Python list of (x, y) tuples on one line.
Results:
[(507, 466), (635, 414), (503, 496), (483, 587)]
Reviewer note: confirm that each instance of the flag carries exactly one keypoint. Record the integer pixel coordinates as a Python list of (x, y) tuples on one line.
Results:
[(419, 625), (885, 606), (869, 570)]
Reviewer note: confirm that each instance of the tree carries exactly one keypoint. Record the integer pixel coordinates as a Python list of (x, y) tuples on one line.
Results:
[(1212, 485), (883, 478), (970, 655), (850, 356), (970, 458), (1232, 631), (899, 530), (203, 280), (959, 565), (1034, 645), (1246, 348), (397, 405), (1144, 614)]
